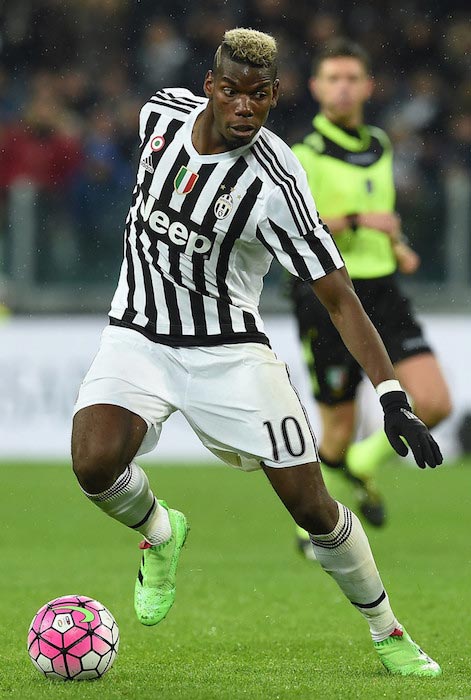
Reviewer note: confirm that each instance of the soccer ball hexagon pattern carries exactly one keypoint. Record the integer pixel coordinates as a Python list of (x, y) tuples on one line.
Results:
[(73, 638)]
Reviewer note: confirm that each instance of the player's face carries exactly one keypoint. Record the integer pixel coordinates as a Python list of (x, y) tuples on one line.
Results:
[(241, 97), (341, 86)]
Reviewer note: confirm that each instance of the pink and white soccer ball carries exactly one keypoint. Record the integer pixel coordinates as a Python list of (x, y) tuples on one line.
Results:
[(73, 638)]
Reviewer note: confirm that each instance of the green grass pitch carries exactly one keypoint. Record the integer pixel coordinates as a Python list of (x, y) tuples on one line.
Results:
[(251, 619)]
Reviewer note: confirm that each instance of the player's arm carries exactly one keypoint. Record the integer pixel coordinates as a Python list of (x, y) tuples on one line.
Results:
[(387, 222), (337, 224), (336, 293), (408, 261)]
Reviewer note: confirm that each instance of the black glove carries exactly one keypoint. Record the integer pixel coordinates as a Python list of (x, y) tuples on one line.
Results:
[(400, 421)]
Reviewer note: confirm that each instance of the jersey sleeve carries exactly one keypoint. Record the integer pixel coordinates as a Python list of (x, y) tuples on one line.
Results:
[(293, 232), (175, 103)]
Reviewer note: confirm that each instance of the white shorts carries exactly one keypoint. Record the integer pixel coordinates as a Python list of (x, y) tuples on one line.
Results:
[(237, 398)]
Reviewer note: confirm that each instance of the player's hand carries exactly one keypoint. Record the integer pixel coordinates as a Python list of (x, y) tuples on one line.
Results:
[(408, 261), (399, 421), (385, 221)]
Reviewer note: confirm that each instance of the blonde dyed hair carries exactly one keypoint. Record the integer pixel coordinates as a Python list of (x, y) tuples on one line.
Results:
[(248, 46)]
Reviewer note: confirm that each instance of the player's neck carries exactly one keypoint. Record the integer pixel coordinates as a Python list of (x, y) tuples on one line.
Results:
[(205, 138), (349, 121)]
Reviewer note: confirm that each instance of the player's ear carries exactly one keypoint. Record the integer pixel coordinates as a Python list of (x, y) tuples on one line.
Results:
[(208, 84), (369, 88), (313, 87), (276, 92)]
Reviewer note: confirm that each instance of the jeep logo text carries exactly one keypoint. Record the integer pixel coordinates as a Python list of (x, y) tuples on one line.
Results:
[(159, 222)]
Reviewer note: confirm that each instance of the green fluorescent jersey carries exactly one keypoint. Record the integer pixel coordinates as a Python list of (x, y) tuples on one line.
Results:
[(350, 174)]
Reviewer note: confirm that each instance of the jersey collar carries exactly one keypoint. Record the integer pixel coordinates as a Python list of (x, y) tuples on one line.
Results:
[(342, 138)]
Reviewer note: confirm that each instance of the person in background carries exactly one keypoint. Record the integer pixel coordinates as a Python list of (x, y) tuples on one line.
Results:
[(349, 166)]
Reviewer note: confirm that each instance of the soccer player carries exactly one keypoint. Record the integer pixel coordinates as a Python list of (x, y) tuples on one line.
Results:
[(350, 174), (217, 198)]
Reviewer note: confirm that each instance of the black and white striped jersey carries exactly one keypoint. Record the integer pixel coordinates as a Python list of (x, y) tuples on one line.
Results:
[(202, 231)]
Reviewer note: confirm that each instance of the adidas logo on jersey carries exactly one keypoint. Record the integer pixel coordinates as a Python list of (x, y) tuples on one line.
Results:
[(147, 164), (159, 222)]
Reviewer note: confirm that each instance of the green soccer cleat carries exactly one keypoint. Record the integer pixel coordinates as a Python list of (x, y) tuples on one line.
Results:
[(154, 593), (401, 656)]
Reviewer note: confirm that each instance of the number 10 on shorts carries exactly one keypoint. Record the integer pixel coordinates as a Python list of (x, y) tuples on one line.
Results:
[(290, 432)]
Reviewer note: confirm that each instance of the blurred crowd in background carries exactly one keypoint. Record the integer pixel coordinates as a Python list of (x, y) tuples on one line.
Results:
[(74, 74)]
